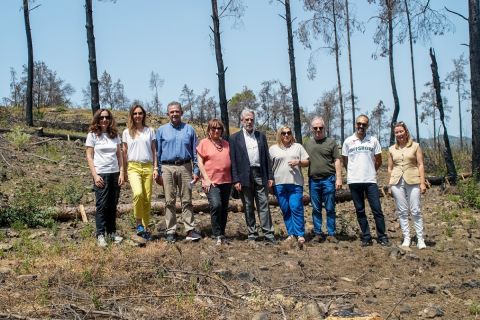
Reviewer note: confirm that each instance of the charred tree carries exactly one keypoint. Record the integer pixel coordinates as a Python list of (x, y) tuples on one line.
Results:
[(339, 81), (451, 171), (350, 68), (29, 93), (297, 125), (396, 102), (222, 95), (412, 64), (474, 32), (92, 58)]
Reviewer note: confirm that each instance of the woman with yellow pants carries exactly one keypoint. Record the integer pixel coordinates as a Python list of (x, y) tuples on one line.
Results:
[(139, 152)]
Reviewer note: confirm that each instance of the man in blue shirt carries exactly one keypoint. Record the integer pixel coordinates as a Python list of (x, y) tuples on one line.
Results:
[(178, 168)]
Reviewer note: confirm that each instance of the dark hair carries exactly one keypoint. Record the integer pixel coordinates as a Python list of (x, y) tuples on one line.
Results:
[(132, 130), (112, 130)]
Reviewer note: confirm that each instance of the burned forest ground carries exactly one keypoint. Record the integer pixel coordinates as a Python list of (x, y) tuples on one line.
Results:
[(56, 271)]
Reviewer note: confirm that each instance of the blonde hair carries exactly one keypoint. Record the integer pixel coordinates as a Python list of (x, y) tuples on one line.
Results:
[(279, 135), (409, 138)]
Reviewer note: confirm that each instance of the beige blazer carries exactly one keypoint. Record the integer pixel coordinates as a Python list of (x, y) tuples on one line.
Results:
[(405, 164)]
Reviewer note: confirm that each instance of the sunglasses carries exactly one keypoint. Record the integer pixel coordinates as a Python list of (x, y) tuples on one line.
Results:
[(317, 128), (362, 124), (138, 113), (286, 133), (216, 128), (104, 117)]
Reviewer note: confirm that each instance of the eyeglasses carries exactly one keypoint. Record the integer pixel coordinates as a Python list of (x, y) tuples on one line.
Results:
[(317, 128), (362, 124), (286, 133), (138, 113), (216, 128), (104, 117)]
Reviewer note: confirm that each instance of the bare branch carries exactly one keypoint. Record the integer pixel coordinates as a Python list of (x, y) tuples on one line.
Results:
[(458, 14), (225, 8)]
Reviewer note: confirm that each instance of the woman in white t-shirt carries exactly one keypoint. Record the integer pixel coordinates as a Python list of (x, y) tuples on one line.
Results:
[(139, 151), (287, 159), (106, 166)]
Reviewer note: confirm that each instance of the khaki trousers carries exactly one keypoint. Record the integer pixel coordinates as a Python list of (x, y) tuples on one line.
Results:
[(178, 178)]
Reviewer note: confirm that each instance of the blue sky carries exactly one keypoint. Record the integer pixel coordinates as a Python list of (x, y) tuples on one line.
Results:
[(172, 38)]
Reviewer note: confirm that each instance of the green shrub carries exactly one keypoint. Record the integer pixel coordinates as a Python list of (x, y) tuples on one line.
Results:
[(470, 193), (474, 308), (29, 207), (18, 138)]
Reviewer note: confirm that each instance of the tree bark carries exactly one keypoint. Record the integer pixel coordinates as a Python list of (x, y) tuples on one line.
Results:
[(474, 32), (92, 58), (220, 69), (451, 170), (297, 125), (415, 101), (29, 106), (460, 113), (350, 68), (396, 109), (339, 81)]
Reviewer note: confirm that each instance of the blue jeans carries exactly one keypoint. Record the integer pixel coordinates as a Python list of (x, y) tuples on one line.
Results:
[(323, 191), (359, 190), (290, 199), (218, 197)]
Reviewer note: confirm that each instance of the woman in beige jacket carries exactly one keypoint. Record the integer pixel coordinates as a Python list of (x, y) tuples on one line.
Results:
[(407, 182)]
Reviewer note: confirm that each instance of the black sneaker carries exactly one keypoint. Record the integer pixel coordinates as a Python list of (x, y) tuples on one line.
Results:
[(384, 242), (270, 240), (366, 243), (171, 237), (192, 235)]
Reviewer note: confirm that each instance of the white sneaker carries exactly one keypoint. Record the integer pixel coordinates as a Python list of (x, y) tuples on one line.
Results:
[(101, 242), (116, 238), (421, 244), (406, 242)]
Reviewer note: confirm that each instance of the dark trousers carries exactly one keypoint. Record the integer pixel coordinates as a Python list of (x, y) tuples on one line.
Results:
[(106, 203), (359, 190), (218, 197), (257, 192)]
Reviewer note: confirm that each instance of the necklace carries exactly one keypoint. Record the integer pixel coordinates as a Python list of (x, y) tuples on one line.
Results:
[(219, 147)]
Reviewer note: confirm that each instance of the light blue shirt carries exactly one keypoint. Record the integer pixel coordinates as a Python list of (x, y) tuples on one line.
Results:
[(177, 143)]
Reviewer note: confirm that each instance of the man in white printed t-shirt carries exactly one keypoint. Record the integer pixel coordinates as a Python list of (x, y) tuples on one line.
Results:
[(362, 157)]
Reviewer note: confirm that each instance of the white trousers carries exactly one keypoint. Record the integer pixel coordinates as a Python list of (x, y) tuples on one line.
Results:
[(407, 199)]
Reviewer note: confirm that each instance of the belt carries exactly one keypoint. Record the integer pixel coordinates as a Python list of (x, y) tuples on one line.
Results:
[(178, 162)]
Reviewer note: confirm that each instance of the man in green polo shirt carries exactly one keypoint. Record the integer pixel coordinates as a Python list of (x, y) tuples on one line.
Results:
[(325, 177)]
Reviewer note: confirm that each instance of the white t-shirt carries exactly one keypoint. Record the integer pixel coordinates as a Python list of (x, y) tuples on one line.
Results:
[(140, 148), (361, 158), (104, 152), (282, 172)]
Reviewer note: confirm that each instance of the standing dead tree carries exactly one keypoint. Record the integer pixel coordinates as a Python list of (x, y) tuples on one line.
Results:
[(232, 8), (451, 170), (29, 95), (92, 58)]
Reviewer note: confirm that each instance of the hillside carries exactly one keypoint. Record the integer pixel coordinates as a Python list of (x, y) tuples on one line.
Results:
[(58, 272)]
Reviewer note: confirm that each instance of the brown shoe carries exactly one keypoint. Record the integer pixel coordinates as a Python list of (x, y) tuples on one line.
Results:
[(332, 239)]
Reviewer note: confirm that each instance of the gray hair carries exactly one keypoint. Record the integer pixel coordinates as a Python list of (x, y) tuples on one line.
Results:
[(245, 111), (317, 118)]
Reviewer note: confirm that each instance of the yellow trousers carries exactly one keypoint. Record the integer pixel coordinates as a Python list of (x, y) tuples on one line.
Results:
[(140, 176)]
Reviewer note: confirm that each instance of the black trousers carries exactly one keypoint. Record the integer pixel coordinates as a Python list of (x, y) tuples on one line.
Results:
[(218, 198), (106, 203)]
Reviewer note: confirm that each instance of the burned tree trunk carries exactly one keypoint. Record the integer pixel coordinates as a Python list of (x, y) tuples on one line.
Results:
[(350, 68), (222, 95), (451, 171), (29, 93), (92, 58), (297, 126), (339, 81), (474, 32), (396, 110)]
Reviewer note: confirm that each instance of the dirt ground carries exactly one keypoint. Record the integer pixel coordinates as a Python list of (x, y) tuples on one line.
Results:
[(60, 273)]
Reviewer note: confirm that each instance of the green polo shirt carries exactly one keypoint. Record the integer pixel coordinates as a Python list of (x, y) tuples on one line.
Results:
[(322, 155)]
